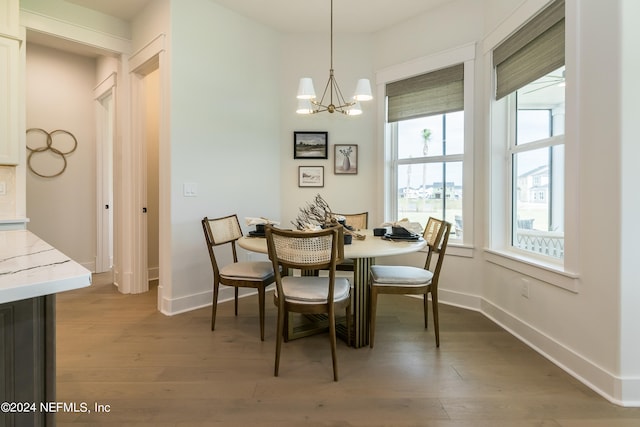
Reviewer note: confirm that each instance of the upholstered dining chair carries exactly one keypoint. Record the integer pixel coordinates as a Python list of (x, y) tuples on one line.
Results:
[(395, 279), (358, 221), (246, 274), (317, 250)]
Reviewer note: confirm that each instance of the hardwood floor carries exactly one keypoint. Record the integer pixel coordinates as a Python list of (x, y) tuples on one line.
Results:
[(154, 370)]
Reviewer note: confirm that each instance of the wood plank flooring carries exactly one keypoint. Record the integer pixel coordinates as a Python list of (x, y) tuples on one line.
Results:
[(154, 370)]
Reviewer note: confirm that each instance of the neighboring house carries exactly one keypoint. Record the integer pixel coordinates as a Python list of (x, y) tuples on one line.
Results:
[(533, 186)]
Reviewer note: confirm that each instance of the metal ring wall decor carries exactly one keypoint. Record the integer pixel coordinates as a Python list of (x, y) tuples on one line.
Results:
[(49, 147)]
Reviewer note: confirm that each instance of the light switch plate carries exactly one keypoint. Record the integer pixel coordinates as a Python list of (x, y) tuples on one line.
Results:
[(3, 188), (190, 189)]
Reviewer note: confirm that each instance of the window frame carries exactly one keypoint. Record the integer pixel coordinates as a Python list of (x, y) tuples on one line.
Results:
[(466, 55), (565, 275)]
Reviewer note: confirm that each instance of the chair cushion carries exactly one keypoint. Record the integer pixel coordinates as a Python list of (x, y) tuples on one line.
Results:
[(400, 275), (252, 270), (314, 289)]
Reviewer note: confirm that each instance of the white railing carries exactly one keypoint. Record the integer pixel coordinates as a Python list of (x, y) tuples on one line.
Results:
[(550, 243)]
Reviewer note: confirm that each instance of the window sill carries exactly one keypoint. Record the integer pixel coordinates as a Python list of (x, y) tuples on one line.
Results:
[(459, 249), (546, 272)]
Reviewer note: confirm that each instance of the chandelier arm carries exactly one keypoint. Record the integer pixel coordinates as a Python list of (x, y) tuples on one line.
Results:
[(328, 87), (341, 99)]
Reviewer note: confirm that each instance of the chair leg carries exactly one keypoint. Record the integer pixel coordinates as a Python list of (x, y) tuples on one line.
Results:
[(236, 299), (279, 332), (425, 303), (349, 331), (436, 325), (214, 306), (332, 338), (373, 301), (287, 320), (261, 311)]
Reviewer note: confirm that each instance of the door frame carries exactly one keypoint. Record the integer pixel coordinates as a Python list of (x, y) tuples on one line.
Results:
[(151, 57), (105, 138)]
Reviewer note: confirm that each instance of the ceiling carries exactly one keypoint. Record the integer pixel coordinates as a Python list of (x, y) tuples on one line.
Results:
[(358, 16)]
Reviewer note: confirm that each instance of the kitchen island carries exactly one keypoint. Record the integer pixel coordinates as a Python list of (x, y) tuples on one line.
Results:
[(32, 272)]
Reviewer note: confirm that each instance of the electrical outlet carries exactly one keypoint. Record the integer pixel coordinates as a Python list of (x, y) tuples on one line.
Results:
[(524, 290)]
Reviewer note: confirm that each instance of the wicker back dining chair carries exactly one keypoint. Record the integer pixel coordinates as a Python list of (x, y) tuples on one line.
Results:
[(395, 279), (247, 274), (318, 250), (358, 221)]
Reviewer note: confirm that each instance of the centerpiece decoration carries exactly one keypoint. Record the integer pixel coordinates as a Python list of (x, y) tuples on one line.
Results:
[(317, 214)]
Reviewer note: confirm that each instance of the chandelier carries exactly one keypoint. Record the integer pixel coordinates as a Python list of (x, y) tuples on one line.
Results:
[(308, 103)]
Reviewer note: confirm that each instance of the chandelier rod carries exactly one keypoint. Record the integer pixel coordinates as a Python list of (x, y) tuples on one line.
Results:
[(331, 59), (331, 37)]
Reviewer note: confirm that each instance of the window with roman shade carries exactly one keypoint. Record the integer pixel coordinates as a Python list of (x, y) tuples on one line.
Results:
[(426, 125), (528, 118), (533, 51)]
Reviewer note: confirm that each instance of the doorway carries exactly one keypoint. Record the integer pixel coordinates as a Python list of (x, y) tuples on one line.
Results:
[(105, 134), (151, 82)]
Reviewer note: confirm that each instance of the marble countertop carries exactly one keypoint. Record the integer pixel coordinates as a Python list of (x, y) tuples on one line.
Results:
[(30, 267)]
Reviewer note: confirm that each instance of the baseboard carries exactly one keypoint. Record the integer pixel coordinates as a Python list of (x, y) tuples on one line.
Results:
[(171, 307), (153, 273), (620, 391)]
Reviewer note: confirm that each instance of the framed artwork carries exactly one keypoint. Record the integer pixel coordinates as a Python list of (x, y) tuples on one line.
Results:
[(310, 145), (310, 176), (345, 159)]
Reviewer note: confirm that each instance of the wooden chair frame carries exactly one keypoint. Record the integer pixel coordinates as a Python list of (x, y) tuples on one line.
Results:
[(232, 233), (437, 236), (358, 221), (288, 259)]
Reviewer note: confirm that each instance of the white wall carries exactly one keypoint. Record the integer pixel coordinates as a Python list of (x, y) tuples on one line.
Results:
[(630, 200), (59, 95), (307, 55), (580, 331), (224, 134), (450, 26), (65, 11)]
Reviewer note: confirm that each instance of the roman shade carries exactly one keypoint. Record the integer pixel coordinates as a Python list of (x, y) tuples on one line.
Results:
[(533, 51), (437, 92)]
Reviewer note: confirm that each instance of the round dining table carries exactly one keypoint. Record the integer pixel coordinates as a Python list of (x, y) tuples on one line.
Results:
[(363, 253)]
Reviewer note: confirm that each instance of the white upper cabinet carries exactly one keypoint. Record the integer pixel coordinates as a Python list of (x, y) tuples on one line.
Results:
[(9, 102), (9, 81)]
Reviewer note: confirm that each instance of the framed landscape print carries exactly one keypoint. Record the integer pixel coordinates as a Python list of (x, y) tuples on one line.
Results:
[(310, 145), (310, 176), (345, 159)]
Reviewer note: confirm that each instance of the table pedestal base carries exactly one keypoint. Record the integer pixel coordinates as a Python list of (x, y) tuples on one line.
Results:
[(359, 306)]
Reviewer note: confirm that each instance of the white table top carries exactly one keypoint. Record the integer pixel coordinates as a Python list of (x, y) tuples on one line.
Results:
[(30, 267), (371, 247)]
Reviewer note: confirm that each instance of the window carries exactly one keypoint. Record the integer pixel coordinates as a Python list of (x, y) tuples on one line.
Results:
[(529, 69), (426, 122), (429, 168), (537, 166)]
